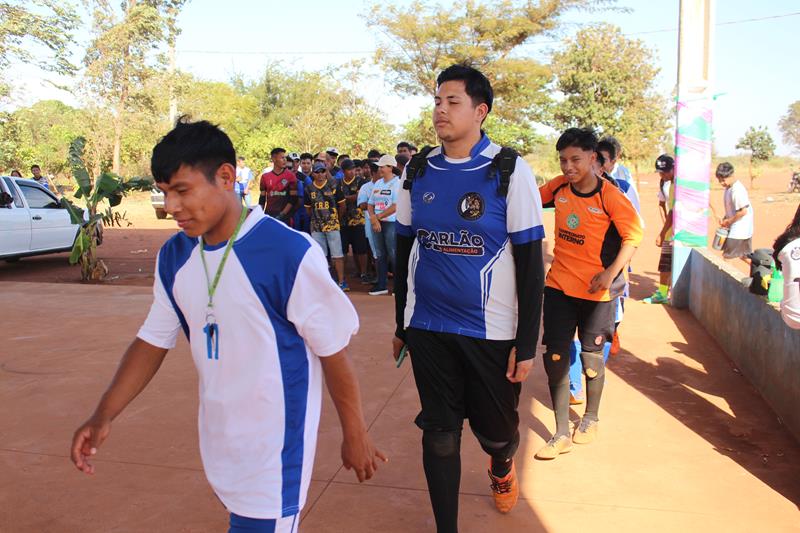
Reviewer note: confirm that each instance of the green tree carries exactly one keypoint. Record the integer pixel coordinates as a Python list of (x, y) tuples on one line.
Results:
[(123, 56), (48, 25), (423, 39), (608, 83), (759, 143), (790, 126), (41, 134)]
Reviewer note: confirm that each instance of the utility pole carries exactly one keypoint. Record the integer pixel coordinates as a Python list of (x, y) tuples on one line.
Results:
[(693, 139)]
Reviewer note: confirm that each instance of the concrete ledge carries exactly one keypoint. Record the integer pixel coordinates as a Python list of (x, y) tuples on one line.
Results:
[(750, 330)]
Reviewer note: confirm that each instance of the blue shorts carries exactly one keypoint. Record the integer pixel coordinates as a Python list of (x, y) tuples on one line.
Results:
[(241, 524)]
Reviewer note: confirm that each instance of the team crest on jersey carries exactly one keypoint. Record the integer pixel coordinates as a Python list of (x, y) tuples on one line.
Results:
[(284, 182), (471, 206), (451, 243), (593, 209), (573, 221), (795, 255), (428, 197), (563, 199)]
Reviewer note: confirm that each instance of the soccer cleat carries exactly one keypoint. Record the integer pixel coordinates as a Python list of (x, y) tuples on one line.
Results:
[(615, 344), (575, 399), (586, 432), (505, 490), (344, 286), (555, 447), (657, 298)]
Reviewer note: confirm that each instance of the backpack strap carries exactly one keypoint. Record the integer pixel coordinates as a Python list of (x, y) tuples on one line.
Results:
[(503, 164), (415, 168)]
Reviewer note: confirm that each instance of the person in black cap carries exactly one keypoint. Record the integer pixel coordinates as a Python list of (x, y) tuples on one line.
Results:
[(352, 231), (665, 166)]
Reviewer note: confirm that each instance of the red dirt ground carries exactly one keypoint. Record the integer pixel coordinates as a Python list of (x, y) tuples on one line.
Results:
[(685, 444)]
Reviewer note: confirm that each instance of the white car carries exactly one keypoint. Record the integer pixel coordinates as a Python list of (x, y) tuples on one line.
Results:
[(32, 220)]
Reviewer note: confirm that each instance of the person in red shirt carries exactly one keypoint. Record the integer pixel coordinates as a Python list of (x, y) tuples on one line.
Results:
[(279, 197), (597, 231)]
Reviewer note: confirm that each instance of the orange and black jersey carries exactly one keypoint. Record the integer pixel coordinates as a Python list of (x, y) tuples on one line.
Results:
[(590, 230)]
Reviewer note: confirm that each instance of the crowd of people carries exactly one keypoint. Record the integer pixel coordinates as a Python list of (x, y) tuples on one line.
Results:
[(461, 227)]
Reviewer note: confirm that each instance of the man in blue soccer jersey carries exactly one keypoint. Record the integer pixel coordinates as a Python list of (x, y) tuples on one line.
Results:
[(468, 288), (265, 324)]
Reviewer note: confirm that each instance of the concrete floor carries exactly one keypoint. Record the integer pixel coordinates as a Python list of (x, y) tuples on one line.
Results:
[(685, 443)]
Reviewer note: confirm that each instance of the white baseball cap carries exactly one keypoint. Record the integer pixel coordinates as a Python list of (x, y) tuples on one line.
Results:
[(332, 150), (387, 160)]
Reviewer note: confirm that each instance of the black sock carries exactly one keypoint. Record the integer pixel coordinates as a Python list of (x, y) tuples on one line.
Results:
[(594, 391), (442, 464), (501, 467), (559, 394)]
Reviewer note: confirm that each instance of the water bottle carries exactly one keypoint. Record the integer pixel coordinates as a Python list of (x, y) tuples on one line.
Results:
[(775, 293)]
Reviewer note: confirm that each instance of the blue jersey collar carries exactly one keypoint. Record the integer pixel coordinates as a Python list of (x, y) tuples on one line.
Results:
[(479, 147)]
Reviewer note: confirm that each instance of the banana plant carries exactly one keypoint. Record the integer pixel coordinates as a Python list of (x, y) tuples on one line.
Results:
[(108, 187)]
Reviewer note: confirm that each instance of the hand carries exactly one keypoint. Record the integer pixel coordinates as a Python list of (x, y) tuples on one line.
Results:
[(359, 454), (397, 345), (725, 223), (601, 281), (659, 240), (517, 372), (87, 439), (376, 226)]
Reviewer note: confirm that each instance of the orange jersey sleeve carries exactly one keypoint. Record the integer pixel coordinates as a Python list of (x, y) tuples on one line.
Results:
[(547, 190), (624, 216)]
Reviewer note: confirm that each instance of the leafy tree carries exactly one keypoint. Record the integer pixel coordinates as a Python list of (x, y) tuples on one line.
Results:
[(790, 126), (424, 39), (759, 143), (607, 81), (122, 57), (45, 24)]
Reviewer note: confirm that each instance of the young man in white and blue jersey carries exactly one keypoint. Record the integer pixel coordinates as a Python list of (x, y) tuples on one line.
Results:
[(468, 289), (265, 324)]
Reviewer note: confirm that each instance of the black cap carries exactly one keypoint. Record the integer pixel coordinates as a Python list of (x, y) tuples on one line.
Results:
[(665, 163)]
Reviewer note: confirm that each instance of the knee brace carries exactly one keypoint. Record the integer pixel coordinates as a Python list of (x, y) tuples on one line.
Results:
[(593, 364), (499, 450), (441, 443)]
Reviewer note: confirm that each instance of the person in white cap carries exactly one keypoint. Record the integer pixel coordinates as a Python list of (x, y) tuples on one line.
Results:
[(382, 208)]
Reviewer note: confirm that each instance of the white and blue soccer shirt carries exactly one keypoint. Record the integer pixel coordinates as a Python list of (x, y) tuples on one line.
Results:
[(278, 311), (461, 274), (384, 196)]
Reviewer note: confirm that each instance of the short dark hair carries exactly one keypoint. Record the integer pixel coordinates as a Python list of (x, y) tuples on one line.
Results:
[(583, 138), (600, 157), (306, 155), (276, 151), (617, 146), (240, 158), (35, 166), (724, 170), (404, 144), (374, 153), (201, 145), (342, 157), (476, 85), (606, 145)]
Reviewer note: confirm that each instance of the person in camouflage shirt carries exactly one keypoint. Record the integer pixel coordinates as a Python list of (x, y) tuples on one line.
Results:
[(353, 235), (325, 205)]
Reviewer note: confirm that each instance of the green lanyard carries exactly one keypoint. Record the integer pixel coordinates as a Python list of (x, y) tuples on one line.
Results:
[(212, 287)]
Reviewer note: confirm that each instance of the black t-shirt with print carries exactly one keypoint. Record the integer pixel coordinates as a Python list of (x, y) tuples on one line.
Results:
[(324, 202)]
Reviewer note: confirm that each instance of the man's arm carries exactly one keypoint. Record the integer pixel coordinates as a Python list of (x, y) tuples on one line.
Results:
[(138, 366), (403, 253), (728, 222), (529, 266), (358, 452), (389, 212)]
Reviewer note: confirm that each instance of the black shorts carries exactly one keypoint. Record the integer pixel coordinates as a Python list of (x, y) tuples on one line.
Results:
[(665, 261), (462, 377), (564, 314), (736, 248), (354, 236)]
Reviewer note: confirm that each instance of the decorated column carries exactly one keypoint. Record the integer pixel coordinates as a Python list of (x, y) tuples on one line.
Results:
[(693, 139)]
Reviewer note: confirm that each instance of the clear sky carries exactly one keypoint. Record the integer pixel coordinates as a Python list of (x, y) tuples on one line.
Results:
[(756, 62)]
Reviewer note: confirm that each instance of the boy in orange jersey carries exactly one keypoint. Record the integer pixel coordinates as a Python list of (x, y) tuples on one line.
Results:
[(597, 232)]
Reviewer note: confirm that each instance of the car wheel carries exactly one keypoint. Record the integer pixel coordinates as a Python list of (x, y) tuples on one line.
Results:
[(160, 214)]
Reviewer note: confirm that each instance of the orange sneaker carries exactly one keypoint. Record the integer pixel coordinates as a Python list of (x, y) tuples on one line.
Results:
[(615, 344), (505, 489)]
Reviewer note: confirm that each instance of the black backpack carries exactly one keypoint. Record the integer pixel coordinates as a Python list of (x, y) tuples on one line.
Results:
[(504, 163)]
